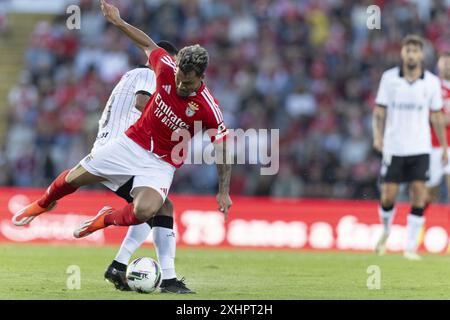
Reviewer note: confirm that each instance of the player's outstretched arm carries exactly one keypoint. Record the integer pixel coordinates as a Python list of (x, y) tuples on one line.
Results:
[(142, 40), (224, 172)]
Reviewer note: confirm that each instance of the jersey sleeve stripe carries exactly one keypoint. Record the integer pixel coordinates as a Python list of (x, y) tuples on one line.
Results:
[(214, 105), (212, 108), (169, 62)]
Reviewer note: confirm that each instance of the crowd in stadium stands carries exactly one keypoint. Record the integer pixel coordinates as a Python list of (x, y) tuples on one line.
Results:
[(308, 68)]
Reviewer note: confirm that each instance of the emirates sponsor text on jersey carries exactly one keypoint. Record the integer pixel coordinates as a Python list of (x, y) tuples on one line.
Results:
[(164, 112)]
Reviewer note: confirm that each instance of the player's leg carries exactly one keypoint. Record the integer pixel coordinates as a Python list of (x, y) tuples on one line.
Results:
[(415, 219), (391, 176), (386, 211), (447, 183), (436, 172), (165, 245), (164, 242), (136, 235), (418, 174), (66, 183), (446, 174), (147, 202), (389, 191), (152, 180), (162, 224)]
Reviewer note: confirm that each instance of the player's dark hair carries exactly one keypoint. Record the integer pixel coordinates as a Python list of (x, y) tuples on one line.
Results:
[(168, 46), (193, 58), (414, 40), (444, 54)]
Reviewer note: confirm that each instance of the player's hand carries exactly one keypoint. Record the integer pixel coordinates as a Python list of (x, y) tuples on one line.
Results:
[(444, 157), (378, 145), (110, 12), (224, 201)]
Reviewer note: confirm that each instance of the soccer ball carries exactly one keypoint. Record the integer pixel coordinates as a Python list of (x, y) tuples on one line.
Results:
[(143, 275)]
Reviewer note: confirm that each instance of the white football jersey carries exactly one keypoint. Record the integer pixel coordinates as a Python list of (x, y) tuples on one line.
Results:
[(407, 130), (120, 111)]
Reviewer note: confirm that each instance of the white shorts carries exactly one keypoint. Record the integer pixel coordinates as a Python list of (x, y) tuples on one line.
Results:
[(437, 169), (121, 159)]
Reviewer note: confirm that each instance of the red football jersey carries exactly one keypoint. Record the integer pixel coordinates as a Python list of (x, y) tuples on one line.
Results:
[(446, 109), (160, 127)]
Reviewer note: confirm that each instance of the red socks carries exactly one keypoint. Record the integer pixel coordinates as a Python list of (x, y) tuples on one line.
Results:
[(122, 217), (60, 188), (57, 190)]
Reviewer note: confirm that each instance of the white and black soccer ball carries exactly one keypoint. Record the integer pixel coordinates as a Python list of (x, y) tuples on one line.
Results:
[(144, 275)]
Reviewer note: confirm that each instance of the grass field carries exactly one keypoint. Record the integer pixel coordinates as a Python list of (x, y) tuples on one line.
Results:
[(39, 272)]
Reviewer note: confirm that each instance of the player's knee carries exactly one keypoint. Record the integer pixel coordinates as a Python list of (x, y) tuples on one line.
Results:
[(417, 211), (144, 211), (387, 206), (387, 202), (166, 209)]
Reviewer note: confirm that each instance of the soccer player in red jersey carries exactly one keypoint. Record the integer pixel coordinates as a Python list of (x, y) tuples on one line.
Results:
[(437, 169), (145, 151)]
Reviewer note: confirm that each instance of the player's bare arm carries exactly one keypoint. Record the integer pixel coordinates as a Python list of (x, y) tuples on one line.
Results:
[(378, 125), (224, 173), (142, 40), (141, 101), (438, 122)]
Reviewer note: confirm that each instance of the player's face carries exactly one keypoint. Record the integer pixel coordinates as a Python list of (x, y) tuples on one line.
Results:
[(412, 55), (187, 83), (444, 67)]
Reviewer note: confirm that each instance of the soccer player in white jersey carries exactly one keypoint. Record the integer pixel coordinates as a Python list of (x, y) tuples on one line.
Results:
[(401, 132), (123, 108), (437, 170)]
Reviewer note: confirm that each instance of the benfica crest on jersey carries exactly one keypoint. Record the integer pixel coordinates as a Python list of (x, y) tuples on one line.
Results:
[(191, 109)]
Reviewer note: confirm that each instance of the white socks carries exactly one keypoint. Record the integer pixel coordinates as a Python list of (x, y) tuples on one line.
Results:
[(163, 239), (386, 218), (165, 244), (135, 237), (414, 226)]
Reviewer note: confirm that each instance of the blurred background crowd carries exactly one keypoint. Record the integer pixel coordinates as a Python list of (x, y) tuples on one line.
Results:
[(308, 68)]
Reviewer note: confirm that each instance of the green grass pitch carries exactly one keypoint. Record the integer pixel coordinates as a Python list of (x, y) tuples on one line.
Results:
[(40, 272)]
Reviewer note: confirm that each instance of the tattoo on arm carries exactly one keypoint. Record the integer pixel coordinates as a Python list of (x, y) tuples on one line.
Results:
[(223, 169)]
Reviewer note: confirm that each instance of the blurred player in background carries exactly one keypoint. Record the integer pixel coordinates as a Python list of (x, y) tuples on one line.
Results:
[(146, 150), (437, 169), (401, 132)]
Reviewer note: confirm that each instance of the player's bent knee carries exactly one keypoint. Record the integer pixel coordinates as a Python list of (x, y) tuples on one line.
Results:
[(145, 211), (166, 209), (417, 211), (387, 206), (387, 202)]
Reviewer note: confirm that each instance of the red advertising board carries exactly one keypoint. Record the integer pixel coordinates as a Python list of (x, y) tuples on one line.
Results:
[(253, 222)]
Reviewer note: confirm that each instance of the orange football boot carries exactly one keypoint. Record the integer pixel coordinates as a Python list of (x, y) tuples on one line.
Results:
[(27, 214), (89, 226)]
